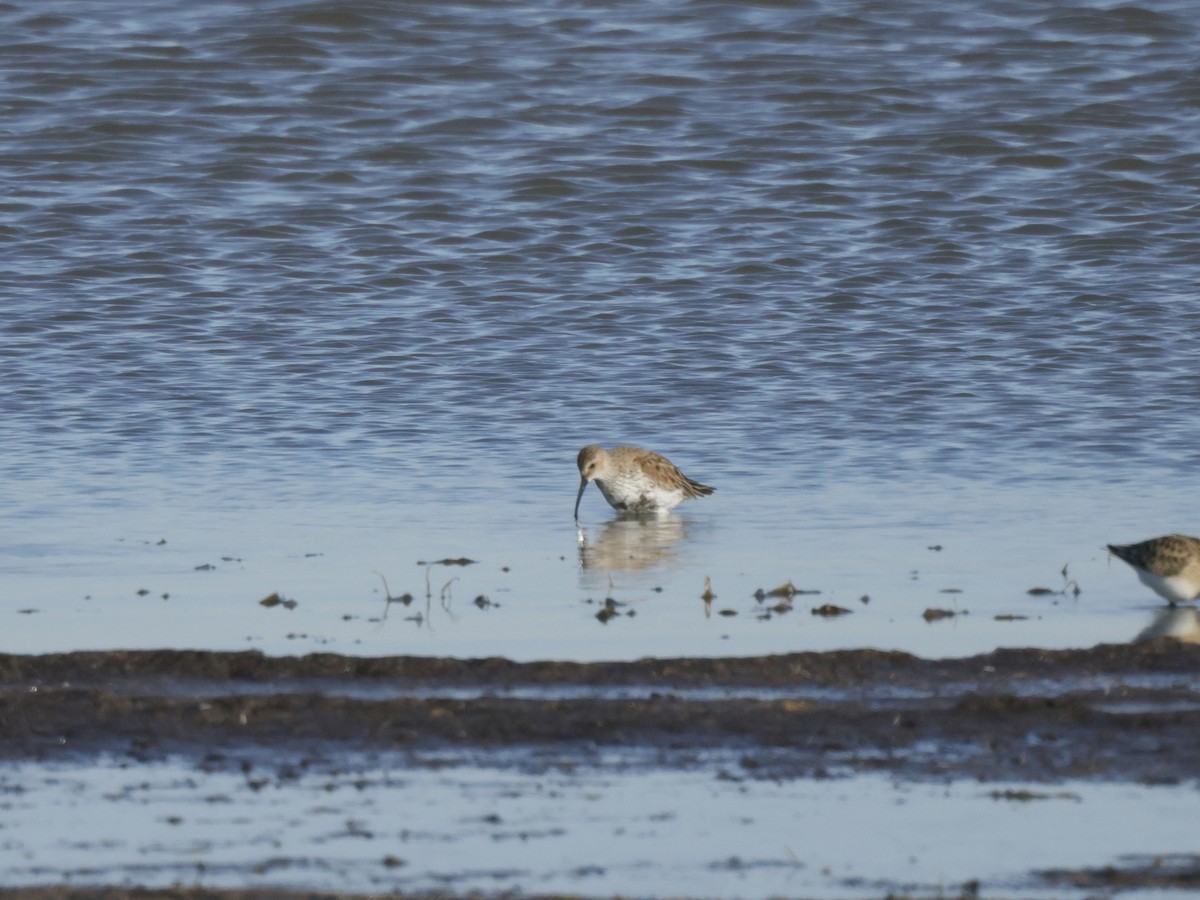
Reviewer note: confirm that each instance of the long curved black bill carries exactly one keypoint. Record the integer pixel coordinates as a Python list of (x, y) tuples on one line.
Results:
[(582, 486)]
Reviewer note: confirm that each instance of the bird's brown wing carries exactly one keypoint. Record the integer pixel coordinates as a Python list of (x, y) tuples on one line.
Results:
[(665, 472)]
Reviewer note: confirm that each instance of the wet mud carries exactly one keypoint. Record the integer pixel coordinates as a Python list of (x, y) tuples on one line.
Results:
[(1120, 712), (1169, 871), (194, 893), (254, 734), (191, 893)]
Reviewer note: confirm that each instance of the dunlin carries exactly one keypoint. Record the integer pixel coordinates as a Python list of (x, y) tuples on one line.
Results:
[(635, 480), (1170, 565)]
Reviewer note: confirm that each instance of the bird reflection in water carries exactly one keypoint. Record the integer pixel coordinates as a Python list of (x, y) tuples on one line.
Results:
[(630, 543), (1179, 622)]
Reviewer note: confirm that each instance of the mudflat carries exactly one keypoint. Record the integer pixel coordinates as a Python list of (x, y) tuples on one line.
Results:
[(1121, 712)]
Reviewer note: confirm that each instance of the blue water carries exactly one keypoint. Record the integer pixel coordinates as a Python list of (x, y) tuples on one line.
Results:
[(313, 292)]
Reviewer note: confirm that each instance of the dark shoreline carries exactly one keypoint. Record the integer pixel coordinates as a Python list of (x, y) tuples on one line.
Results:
[(1118, 712), (195, 893), (838, 667)]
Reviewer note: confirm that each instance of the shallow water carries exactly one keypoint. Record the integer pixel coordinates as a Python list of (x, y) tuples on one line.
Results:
[(359, 283), (538, 582), (613, 827)]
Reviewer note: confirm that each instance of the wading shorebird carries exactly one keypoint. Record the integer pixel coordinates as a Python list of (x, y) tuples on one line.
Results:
[(1170, 565), (635, 480)]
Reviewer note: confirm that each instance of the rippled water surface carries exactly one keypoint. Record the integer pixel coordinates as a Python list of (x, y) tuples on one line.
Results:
[(310, 291)]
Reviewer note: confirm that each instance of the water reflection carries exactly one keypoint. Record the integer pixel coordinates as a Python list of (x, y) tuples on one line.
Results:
[(631, 543), (1179, 622)]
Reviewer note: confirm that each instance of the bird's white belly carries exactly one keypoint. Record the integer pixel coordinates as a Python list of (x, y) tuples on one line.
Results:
[(639, 495), (1174, 588)]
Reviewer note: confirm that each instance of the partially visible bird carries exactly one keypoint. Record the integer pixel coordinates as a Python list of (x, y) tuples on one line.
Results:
[(1170, 565), (635, 480)]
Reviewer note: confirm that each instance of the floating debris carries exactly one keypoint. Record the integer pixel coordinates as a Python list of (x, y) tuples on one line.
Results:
[(404, 599), (829, 609), (864, 599), (1009, 617), (1070, 586), (787, 590), (727, 612), (142, 592), (356, 829), (276, 600), (461, 561), (204, 567), (950, 591), (932, 615), (1024, 796), (936, 548), (608, 611), (483, 602)]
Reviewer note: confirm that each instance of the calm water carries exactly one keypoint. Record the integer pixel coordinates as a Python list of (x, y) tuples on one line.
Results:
[(310, 291), (592, 831)]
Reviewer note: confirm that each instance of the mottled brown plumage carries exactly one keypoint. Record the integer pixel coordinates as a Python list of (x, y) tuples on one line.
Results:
[(1170, 565), (635, 480)]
